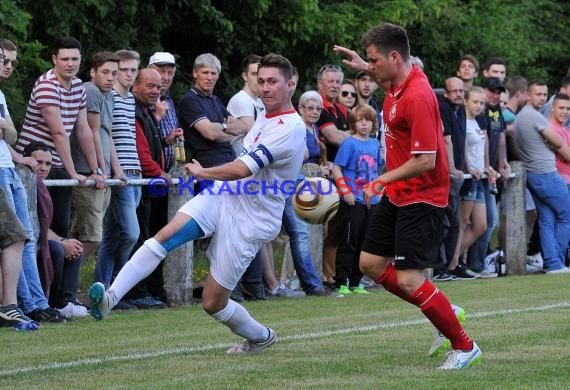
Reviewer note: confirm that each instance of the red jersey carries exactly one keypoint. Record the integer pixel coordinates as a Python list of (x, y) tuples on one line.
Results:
[(413, 125)]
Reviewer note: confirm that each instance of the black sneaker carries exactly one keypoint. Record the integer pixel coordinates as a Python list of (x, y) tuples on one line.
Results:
[(55, 316), (123, 305), (461, 273), (10, 315), (442, 277), (325, 291), (147, 303), (46, 315)]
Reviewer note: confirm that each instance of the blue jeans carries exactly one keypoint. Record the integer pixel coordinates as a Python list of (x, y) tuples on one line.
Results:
[(298, 231), (552, 200), (30, 293), (478, 251), (120, 231)]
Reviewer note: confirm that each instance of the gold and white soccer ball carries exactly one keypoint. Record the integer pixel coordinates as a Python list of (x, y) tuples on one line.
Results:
[(316, 200)]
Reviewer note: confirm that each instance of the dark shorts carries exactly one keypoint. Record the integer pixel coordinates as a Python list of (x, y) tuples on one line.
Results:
[(11, 230), (411, 234)]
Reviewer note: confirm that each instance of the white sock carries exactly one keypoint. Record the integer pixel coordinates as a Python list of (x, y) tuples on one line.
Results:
[(237, 318), (143, 262)]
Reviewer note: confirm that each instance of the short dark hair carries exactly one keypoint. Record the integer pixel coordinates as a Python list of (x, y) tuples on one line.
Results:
[(470, 58), (564, 83), (516, 84), (537, 82), (560, 96), (493, 61), (7, 44), (273, 60), (248, 60), (388, 37), (99, 58), (33, 146), (66, 43)]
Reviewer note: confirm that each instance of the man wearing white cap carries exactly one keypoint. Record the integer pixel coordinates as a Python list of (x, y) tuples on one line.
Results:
[(165, 112)]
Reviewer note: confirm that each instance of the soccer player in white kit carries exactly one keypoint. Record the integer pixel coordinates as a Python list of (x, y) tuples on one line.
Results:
[(239, 221)]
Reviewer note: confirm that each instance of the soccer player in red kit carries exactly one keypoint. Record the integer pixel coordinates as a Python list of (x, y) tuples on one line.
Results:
[(399, 243)]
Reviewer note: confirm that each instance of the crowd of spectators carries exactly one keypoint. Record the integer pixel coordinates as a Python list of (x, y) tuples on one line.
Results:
[(123, 124)]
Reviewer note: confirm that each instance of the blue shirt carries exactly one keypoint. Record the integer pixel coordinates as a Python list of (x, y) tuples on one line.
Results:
[(359, 161), (313, 145)]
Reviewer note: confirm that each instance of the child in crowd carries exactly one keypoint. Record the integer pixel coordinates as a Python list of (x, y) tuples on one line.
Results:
[(356, 164)]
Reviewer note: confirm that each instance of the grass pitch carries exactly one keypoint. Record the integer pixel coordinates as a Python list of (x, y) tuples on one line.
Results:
[(356, 342)]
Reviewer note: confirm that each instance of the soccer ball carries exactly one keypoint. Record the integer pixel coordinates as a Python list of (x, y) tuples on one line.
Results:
[(316, 200)]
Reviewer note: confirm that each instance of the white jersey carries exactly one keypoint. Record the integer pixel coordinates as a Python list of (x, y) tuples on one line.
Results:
[(273, 150)]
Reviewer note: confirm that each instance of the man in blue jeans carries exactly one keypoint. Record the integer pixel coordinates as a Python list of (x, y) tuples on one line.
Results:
[(536, 142), (298, 231), (33, 300), (120, 226)]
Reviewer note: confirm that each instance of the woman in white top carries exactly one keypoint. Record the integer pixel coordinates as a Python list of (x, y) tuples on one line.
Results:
[(473, 210)]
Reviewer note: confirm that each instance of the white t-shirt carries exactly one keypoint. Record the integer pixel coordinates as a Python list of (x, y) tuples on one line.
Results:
[(475, 145), (240, 105), (5, 156)]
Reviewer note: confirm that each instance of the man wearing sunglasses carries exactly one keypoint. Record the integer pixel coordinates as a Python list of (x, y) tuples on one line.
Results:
[(8, 58), (10, 62)]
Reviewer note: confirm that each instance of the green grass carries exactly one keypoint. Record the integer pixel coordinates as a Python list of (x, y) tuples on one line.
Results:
[(361, 342)]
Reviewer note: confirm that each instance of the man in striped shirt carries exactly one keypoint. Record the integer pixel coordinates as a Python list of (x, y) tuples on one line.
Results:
[(120, 227), (164, 110), (57, 105)]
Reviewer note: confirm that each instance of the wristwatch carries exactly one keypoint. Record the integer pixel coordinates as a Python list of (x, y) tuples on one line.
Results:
[(97, 171), (224, 127)]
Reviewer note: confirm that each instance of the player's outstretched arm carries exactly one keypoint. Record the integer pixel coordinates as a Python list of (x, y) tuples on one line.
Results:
[(234, 170), (353, 60)]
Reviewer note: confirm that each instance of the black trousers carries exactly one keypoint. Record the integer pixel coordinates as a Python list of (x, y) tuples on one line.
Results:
[(353, 221)]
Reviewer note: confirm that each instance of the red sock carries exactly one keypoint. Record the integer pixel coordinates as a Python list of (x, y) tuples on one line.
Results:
[(436, 307), (389, 279)]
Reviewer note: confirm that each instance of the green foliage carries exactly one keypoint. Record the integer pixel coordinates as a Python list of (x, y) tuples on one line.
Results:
[(529, 34)]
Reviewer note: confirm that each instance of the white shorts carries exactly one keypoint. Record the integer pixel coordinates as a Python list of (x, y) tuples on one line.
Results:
[(229, 252)]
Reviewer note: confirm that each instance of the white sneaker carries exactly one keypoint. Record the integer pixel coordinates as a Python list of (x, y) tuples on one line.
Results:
[(73, 310), (440, 342), (247, 346), (535, 260), (100, 302), (563, 270), (486, 274), (462, 359), (283, 291)]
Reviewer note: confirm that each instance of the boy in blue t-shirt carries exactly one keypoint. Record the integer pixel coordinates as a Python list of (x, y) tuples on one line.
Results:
[(356, 164)]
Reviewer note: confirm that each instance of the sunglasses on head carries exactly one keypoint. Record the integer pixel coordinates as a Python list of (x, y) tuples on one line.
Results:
[(329, 67), (346, 93)]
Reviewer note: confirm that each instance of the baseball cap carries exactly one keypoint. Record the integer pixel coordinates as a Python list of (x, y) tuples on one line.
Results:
[(493, 84), (162, 58)]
